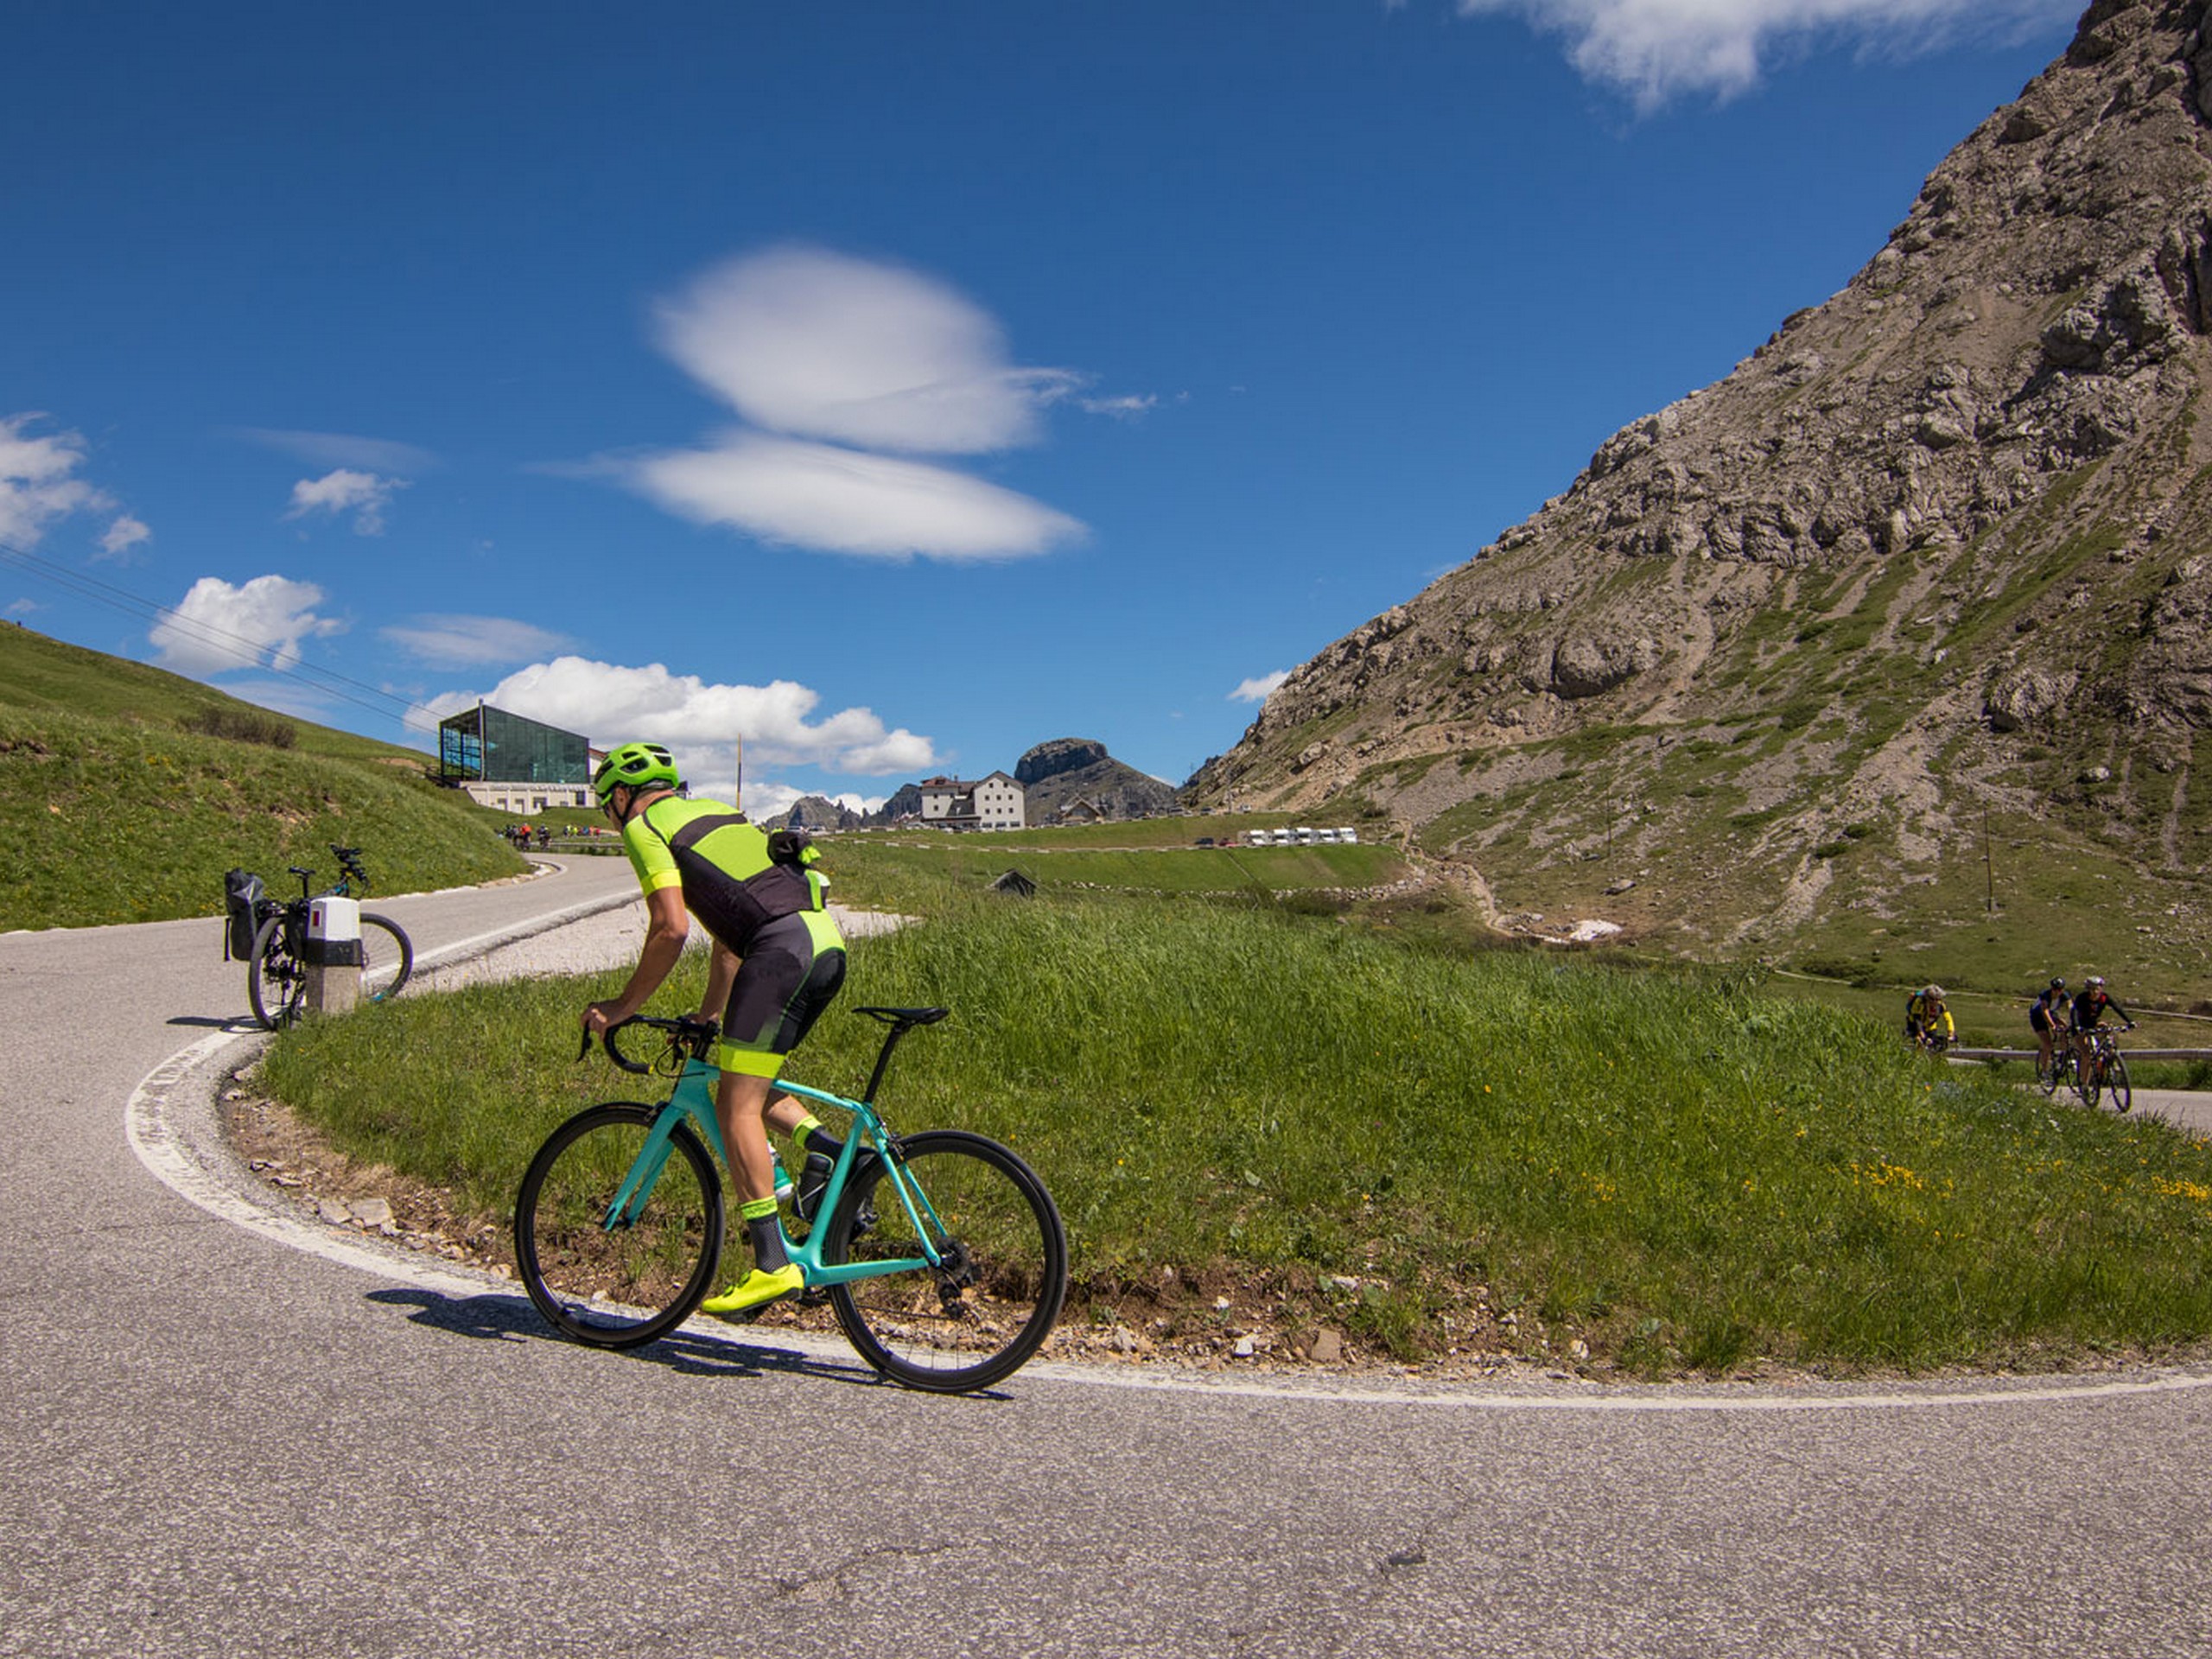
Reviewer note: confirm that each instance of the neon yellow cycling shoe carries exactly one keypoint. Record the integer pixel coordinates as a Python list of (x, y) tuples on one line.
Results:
[(756, 1290)]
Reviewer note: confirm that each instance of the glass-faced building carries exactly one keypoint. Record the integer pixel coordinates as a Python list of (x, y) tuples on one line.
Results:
[(512, 764)]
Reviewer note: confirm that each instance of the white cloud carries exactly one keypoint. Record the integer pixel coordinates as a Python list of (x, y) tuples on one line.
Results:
[(123, 534), (1120, 409), (37, 488), (817, 345), (366, 495), (218, 626), (701, 722), (1261, 689), (844, 369), (343, 449), (1657, 48), (24, 607), (845, 501), (460, 641)]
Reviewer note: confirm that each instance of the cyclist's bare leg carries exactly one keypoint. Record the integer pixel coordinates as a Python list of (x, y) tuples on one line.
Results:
[(740, 1103)]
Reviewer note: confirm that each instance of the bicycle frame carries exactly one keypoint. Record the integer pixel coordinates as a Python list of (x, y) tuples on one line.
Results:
[(692, 1100)]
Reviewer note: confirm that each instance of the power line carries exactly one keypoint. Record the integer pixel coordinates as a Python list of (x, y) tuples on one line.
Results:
[(325, 682)]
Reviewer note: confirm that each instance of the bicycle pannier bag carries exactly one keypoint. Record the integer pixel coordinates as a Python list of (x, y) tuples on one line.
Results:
[(242, 896)]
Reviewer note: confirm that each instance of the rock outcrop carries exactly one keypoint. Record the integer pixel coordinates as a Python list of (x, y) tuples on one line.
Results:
[(1076, 774)]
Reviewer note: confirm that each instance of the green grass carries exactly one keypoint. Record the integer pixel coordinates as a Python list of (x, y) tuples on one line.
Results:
[(39, 673), (116, 806), (897, 872), (1682, 1171), (107, 821)]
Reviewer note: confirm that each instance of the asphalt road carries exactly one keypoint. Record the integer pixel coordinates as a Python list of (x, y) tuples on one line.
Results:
[(216, 1440)]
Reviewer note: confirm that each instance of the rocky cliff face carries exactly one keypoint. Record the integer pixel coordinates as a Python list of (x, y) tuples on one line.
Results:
[(815, 812), (1936, 549), (1055, 776)]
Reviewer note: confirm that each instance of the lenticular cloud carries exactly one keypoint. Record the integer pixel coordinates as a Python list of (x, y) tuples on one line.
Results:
[(846, 371), (815, 345), (847, 502)]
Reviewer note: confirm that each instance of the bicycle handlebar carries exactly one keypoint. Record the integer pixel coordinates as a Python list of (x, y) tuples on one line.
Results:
[(692, 1035)]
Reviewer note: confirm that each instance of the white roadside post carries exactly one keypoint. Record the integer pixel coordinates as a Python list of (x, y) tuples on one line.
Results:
[(334, 955)]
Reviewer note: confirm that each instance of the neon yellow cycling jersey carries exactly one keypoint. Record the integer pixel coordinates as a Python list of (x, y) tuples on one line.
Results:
[(721, 860)]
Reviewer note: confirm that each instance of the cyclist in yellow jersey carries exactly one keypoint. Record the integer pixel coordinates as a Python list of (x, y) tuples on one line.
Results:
[(1927, 1019), (778, 962)]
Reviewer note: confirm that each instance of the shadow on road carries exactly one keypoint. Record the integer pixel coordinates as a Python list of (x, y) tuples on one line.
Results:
[(230, 1022), (495, 1317)]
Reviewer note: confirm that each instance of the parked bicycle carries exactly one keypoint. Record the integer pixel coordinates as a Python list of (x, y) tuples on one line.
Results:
[(2105, 1072), (940, 1253), (275, 968)]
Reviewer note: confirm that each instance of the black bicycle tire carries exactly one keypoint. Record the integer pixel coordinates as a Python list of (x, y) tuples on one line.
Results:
[(2048, 1077), (405, 951), (2088, 1084), (857, 1316), (288, 1007), (2116, 1085), (531, 1256)]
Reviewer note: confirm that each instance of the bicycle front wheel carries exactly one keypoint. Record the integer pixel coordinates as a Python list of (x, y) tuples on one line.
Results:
[(617, 1281), (1002, 1272), (386, 949), (2088, 1079), (275, 981), (2116, 1085)]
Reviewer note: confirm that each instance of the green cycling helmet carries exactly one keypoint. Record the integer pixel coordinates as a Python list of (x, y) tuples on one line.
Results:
[(641, 766)]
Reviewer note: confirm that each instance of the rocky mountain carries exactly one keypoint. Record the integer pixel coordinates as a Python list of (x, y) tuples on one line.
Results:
[(816, 812), (1927, 574), (1068, 773)]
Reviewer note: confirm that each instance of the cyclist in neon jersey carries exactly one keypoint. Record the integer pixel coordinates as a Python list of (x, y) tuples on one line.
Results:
[(778, 961)]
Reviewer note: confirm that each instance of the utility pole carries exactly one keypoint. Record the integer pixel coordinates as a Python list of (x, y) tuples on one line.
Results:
[(737, 798), (1988, 862)]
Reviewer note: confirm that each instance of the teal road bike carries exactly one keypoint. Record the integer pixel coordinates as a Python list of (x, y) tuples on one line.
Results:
[(941, 1253)]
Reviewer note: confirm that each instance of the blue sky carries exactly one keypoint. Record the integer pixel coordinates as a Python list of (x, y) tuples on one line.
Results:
[(899, 386)]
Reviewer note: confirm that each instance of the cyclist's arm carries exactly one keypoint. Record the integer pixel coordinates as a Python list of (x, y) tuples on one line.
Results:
[(668, 923)]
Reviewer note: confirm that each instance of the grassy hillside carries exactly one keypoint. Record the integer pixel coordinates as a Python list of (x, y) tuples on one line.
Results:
[(37, 672), (1254, 1120), (891, 871), (111, 810)]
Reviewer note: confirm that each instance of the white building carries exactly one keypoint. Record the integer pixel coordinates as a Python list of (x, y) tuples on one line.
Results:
[(992, 803), (527, 798)]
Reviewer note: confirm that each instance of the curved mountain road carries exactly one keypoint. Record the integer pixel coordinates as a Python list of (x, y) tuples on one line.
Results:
[(213, 1442)]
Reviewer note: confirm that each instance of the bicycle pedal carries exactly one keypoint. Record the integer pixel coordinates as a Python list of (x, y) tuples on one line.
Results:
[(811, 1297)]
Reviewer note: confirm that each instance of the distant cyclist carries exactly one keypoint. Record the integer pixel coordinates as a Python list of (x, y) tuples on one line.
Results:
[(2089, 1007), (1927, 1021), (2044, 1015), (778, 962)]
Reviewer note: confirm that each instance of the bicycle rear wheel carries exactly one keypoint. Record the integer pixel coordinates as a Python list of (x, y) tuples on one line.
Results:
[(384, 947), (275, 981), (984, 1311), (624, 1285), (2123, 1096)]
